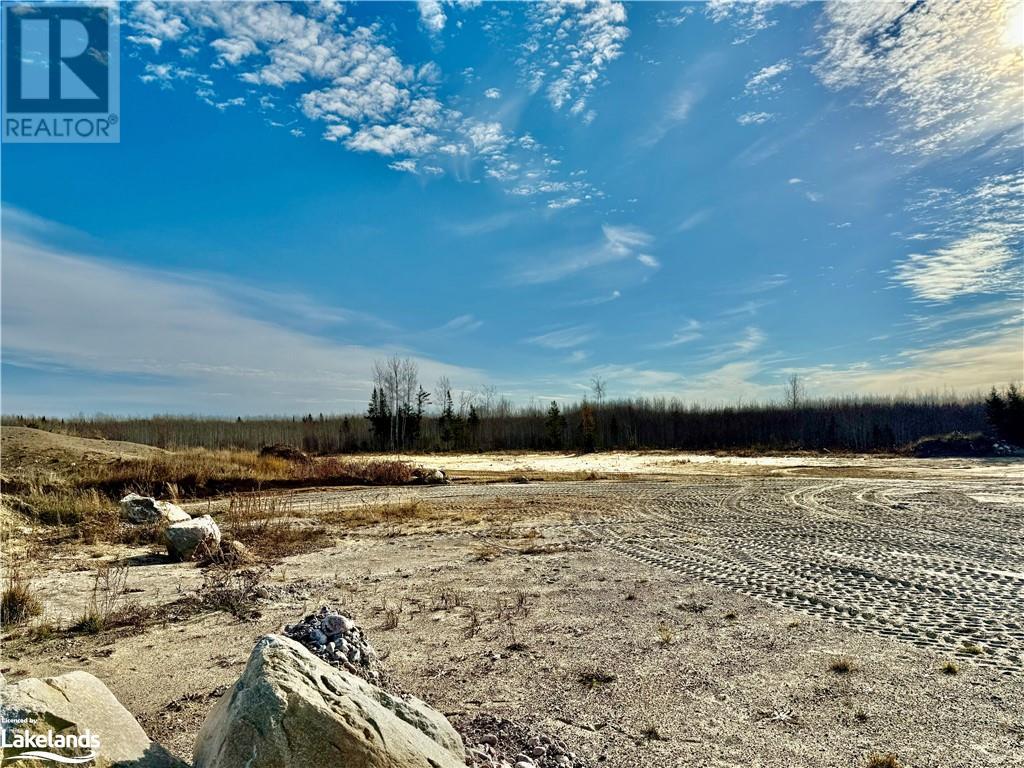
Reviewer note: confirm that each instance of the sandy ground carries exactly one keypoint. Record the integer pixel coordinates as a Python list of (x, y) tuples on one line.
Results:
[(717, 599), (680, 464)]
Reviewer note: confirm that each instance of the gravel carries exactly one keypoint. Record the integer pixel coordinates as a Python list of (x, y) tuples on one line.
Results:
[(333, 636), (493, 742)]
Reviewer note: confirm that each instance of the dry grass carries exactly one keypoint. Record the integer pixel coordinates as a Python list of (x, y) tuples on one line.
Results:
[(19, 602), (262, 525), (236, 591), (107, 608), (841, 666), (202, 472)]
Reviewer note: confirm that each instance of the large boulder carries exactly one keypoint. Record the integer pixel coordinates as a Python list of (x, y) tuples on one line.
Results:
[(145, 510), (83, 717), (197, 534), (291, 709)]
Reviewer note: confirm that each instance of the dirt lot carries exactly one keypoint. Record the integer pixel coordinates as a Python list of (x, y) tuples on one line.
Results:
[(712, 596)]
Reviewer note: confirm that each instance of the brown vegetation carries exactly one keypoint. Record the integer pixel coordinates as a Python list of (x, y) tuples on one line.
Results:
[(18, 602)]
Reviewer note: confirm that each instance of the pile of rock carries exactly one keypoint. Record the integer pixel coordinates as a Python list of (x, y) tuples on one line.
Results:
[(499, 743), (334, 637)]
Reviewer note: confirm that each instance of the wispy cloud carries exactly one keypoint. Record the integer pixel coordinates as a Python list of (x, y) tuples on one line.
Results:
[(984, 234), (618, 243), (766, 80), (563, 338), (689, 332), (461, 324), (949, 73), (187, 332), (981, 262), (695, 219), (596, 300)]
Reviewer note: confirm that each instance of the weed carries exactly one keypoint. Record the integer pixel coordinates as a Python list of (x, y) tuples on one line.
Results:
[(19, 602), (236, 591), (262, 525), (593, 677), (447, 598), (950, 668), (841, 666), (108, 588), (666, 635), (651, 733), (473, 628), (860, 716), (390, 619), (972, 648)]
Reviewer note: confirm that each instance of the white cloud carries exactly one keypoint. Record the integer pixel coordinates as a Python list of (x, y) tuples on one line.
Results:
[(694, 220), (432, 15), (648, 261), (184, 337), (596, 300), (754, 118), (766, 80), (347, 78), (965, 366), (492, 93), (748, 16), (565, 202), (947, 72), (618, 244), (571, 44), (795, 180), (461, 324), (689, 332), (562, 338), (983, 232), (981, 262)]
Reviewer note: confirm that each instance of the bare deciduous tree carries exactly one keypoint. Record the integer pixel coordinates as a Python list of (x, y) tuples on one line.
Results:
[(794, 392)]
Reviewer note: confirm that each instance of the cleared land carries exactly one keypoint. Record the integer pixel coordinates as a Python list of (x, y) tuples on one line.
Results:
[(787, 611)]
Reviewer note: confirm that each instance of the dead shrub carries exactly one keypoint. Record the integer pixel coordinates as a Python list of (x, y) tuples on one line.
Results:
[(261, 524), (233, 590), (19, 602), (107, 608)]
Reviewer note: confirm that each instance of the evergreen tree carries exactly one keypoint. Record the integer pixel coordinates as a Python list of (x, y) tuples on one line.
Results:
[(554, 426)]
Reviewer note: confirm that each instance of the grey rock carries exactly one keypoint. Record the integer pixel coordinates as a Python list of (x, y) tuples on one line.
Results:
[(184, 539), (145, 510), (289, 708), (78, 704)]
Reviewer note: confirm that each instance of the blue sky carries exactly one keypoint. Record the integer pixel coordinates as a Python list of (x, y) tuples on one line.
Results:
[(687, 200)]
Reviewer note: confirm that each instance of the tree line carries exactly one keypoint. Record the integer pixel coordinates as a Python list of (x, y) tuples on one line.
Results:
[(402, 415)]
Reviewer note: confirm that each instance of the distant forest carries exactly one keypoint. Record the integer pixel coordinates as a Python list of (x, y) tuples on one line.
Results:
[(407, 418)]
